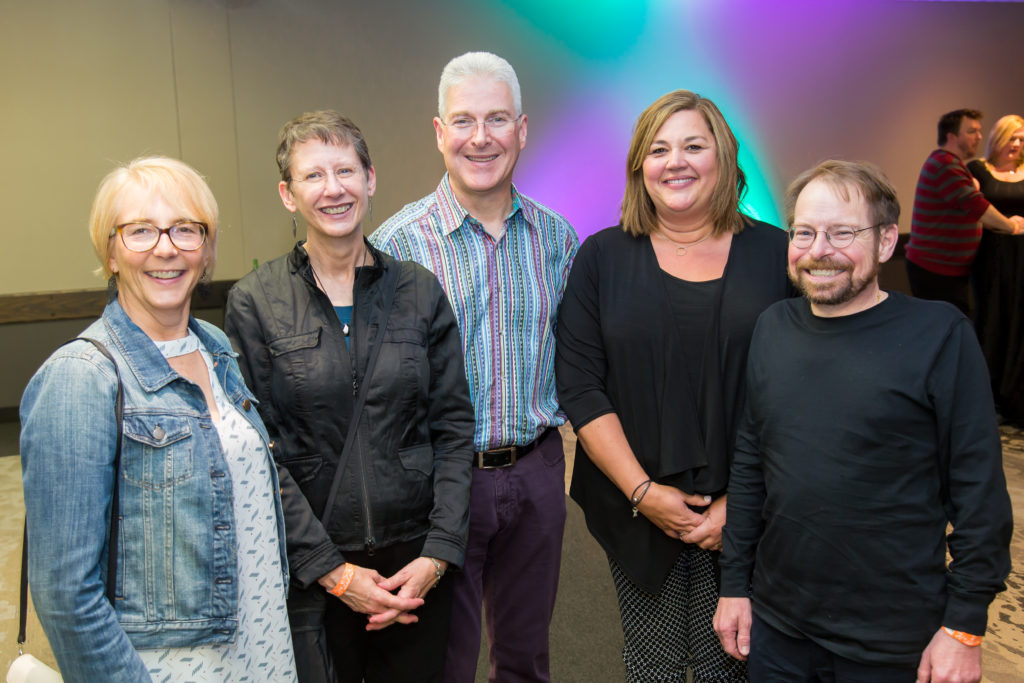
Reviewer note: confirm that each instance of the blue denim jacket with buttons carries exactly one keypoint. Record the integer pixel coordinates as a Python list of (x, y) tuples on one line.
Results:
[(177, 571)]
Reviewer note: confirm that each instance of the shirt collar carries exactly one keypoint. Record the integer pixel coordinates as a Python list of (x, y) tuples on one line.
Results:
[(452, 214), (143, 357)]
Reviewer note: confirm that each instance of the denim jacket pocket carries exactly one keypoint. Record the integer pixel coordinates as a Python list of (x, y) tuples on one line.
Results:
[(174, 525), (158, 450)]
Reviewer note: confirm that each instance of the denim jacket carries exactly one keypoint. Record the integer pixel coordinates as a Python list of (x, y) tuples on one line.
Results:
[(177, 582)]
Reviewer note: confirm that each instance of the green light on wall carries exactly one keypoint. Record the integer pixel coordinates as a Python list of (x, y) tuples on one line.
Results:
[(593, 29)]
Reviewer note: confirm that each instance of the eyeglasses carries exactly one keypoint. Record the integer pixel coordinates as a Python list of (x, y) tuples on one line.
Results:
[(141, 236), (839, 237), (319, 177), (496, 124)]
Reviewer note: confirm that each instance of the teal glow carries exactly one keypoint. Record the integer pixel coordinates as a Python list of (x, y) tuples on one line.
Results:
[(759, 201), (592, 29)]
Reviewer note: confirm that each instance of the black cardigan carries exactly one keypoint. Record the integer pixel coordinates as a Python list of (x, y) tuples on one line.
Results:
[(618, 352)]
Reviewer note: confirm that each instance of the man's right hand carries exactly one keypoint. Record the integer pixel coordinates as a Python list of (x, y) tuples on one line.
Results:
[(732, 624), (365, 596)]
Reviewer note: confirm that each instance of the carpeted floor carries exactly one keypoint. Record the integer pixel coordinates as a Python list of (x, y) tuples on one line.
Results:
[(1003, 657), (586, 637)]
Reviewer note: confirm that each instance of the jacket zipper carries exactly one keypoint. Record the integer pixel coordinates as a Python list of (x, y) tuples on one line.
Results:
[(370, 540)]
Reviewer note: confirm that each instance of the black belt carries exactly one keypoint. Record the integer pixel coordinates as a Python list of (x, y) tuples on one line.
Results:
[(506, 456)]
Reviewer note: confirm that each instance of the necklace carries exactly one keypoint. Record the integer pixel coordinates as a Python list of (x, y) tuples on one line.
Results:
[(345, 327), (681, 247), (1010, 171)]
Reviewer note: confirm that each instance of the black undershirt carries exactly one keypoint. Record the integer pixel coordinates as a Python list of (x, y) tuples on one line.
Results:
[(692, 306)]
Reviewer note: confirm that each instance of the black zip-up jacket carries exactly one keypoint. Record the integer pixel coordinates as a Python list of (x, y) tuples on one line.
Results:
[(409, 472)]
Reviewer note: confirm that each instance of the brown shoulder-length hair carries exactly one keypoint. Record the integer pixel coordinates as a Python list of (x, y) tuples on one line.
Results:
[(638, 214)]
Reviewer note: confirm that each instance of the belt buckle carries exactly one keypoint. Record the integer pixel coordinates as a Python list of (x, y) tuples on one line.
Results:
[(496, 461)]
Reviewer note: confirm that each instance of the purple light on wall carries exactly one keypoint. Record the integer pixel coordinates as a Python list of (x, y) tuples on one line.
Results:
[(581, 172)]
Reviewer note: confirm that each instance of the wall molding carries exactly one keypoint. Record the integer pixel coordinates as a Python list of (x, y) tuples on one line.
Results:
[(88, 303)]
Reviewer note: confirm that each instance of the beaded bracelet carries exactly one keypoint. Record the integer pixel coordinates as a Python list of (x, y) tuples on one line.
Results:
[(635, 499), (968, 639), (346, 578)]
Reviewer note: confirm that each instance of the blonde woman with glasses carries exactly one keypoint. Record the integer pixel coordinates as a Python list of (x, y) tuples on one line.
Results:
[(199, 571)]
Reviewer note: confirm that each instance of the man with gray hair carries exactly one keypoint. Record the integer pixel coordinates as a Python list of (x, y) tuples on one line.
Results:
[(869, 427), (503, 260)]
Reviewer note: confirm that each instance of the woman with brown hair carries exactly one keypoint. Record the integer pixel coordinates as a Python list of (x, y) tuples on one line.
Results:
[(652, 343)]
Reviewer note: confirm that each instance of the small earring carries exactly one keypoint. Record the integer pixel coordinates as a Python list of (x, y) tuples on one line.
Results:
[(295, 227), (370, 218)]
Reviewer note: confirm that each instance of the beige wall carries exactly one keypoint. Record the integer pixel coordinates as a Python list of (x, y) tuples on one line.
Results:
[(88, 84), (209, 82), (85, 85)]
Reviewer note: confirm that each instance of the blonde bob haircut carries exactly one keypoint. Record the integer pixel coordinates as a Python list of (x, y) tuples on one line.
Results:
[(1003, 129), (176, 182), (638, 213)]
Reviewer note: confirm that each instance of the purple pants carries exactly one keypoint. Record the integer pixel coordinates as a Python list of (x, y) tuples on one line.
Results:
[(516, 521)]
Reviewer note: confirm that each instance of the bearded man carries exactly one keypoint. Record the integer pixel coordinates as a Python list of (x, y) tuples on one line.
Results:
[(869, 426)]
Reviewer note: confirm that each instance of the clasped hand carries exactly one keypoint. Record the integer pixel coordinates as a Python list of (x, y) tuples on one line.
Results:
[(670, 510), (373, 594)]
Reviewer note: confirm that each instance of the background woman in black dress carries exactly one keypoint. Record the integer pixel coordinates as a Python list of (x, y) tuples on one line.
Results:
[(998, 272)]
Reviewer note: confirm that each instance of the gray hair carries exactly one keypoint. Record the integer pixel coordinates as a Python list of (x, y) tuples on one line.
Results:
[(327, 126), (477, 64)]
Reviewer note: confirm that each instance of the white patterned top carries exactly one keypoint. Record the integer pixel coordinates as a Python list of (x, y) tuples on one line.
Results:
[(262, 650)]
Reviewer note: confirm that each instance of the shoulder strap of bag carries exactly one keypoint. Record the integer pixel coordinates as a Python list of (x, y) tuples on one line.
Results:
[(114, 506), (357, 410)]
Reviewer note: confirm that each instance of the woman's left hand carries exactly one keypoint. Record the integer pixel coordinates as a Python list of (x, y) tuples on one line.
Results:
[(709, 534), (414, 580)]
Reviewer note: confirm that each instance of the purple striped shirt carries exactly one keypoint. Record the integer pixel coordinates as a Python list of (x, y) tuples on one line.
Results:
[(505, 295)]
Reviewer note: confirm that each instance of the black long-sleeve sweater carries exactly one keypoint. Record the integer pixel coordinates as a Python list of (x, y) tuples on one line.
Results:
[(862, 436)]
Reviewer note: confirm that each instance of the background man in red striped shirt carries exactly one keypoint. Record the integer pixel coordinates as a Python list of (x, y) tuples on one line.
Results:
[(949, 213)]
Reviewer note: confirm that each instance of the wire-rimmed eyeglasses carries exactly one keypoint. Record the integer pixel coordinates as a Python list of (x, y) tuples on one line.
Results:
[(840, 236), (495, 124)]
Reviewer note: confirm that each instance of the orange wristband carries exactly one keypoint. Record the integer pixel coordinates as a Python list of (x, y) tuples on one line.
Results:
[(968, 639), (346, 578)]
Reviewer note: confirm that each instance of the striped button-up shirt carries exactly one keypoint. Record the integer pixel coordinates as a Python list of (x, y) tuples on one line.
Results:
[(505, 295)]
